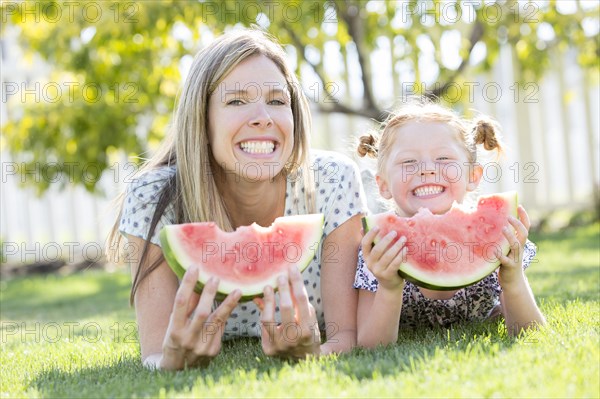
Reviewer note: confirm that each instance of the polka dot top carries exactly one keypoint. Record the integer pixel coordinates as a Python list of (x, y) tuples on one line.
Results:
[(476, 302), (339, 195)]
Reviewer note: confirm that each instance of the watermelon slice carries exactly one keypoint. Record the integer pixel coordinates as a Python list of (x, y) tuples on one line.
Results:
[(453, 250), (248, 258)]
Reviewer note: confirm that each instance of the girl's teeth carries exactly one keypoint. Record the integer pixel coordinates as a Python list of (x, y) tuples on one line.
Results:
[(258, 147), (428, 190)]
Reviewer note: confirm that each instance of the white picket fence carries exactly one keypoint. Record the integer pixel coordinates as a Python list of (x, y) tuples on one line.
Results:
[(551, 127)]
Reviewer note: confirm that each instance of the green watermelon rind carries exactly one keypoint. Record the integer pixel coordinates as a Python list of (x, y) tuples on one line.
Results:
[(415, 276), (223, 291)]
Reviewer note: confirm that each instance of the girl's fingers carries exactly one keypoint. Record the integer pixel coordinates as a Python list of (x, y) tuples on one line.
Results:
[(367, 240), (398, 259), (516, 247), (502, 258), (524, 217), (391, 254), (180, 313), (380, 248), (519, 228), (510, 236)]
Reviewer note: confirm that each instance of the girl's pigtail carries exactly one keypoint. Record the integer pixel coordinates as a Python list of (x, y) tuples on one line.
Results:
[(367, 146), (486, 132)]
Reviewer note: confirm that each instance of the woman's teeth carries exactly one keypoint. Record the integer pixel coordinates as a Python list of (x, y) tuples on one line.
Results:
[(428, 190), (258, 147)]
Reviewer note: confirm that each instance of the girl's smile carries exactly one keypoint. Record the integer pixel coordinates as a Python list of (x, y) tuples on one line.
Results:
[(428, 191), (427, 168)]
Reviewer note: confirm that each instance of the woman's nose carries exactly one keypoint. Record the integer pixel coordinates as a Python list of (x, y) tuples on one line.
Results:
[(260, 116)]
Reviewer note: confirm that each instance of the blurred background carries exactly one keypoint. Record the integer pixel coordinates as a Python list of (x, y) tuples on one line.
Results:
[(88, 89)]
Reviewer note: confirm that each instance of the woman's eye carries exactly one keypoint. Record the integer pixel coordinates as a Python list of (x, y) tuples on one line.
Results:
[(237, 101), (277, 102), (408, 161), (443, 158)]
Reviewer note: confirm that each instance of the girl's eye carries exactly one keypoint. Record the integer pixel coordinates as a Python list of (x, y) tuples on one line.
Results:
[(276, 102), (443, 158), (408, 161), (237, 101)]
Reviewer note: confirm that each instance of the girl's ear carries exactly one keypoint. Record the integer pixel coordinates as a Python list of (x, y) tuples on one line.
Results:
[(475, 174), (383, 187)]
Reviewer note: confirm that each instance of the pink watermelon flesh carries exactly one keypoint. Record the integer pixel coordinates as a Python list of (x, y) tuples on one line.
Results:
[(248, 258), (453, 250)]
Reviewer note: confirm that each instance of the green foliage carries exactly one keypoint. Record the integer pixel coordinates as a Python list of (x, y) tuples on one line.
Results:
[(75, 336), (115, 65)]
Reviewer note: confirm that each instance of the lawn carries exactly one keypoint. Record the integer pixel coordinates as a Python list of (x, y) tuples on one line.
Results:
[(74, 336)]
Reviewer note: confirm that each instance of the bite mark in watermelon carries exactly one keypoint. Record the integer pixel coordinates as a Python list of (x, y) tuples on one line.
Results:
[(248, 258), (453, 250)]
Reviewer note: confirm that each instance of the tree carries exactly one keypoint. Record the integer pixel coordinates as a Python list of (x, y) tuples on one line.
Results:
[(116, 65)]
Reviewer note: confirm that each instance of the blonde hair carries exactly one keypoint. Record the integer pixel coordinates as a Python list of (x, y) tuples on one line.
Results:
[(187, 143), (481, 130)]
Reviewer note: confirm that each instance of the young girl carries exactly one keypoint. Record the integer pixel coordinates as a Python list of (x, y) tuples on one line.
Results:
[(416, 143), (238, 153)]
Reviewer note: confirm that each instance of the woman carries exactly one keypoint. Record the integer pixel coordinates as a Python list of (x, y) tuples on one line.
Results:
[(238, 153)]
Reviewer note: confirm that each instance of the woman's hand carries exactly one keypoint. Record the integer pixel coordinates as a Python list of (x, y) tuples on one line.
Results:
[(384, 258), (297, 336), (194, 333), (511, 265)]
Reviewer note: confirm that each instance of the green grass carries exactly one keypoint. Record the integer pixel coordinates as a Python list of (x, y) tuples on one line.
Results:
[(75, 337)]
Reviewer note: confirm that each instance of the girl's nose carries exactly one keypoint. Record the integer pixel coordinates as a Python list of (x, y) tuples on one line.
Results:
[(427, 168), (260, 117)]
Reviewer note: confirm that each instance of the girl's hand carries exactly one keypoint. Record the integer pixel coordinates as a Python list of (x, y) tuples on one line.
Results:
[(297, 336), (516, 233), (384, 258), (194, 333)]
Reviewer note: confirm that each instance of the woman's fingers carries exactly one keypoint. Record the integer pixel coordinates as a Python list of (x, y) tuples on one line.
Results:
[(180, 313), (300, 296), (193, 302), (260, 303), (296, 311), (219, 317), (286, 304), (267, 321), (204, 308), (268, 305)]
